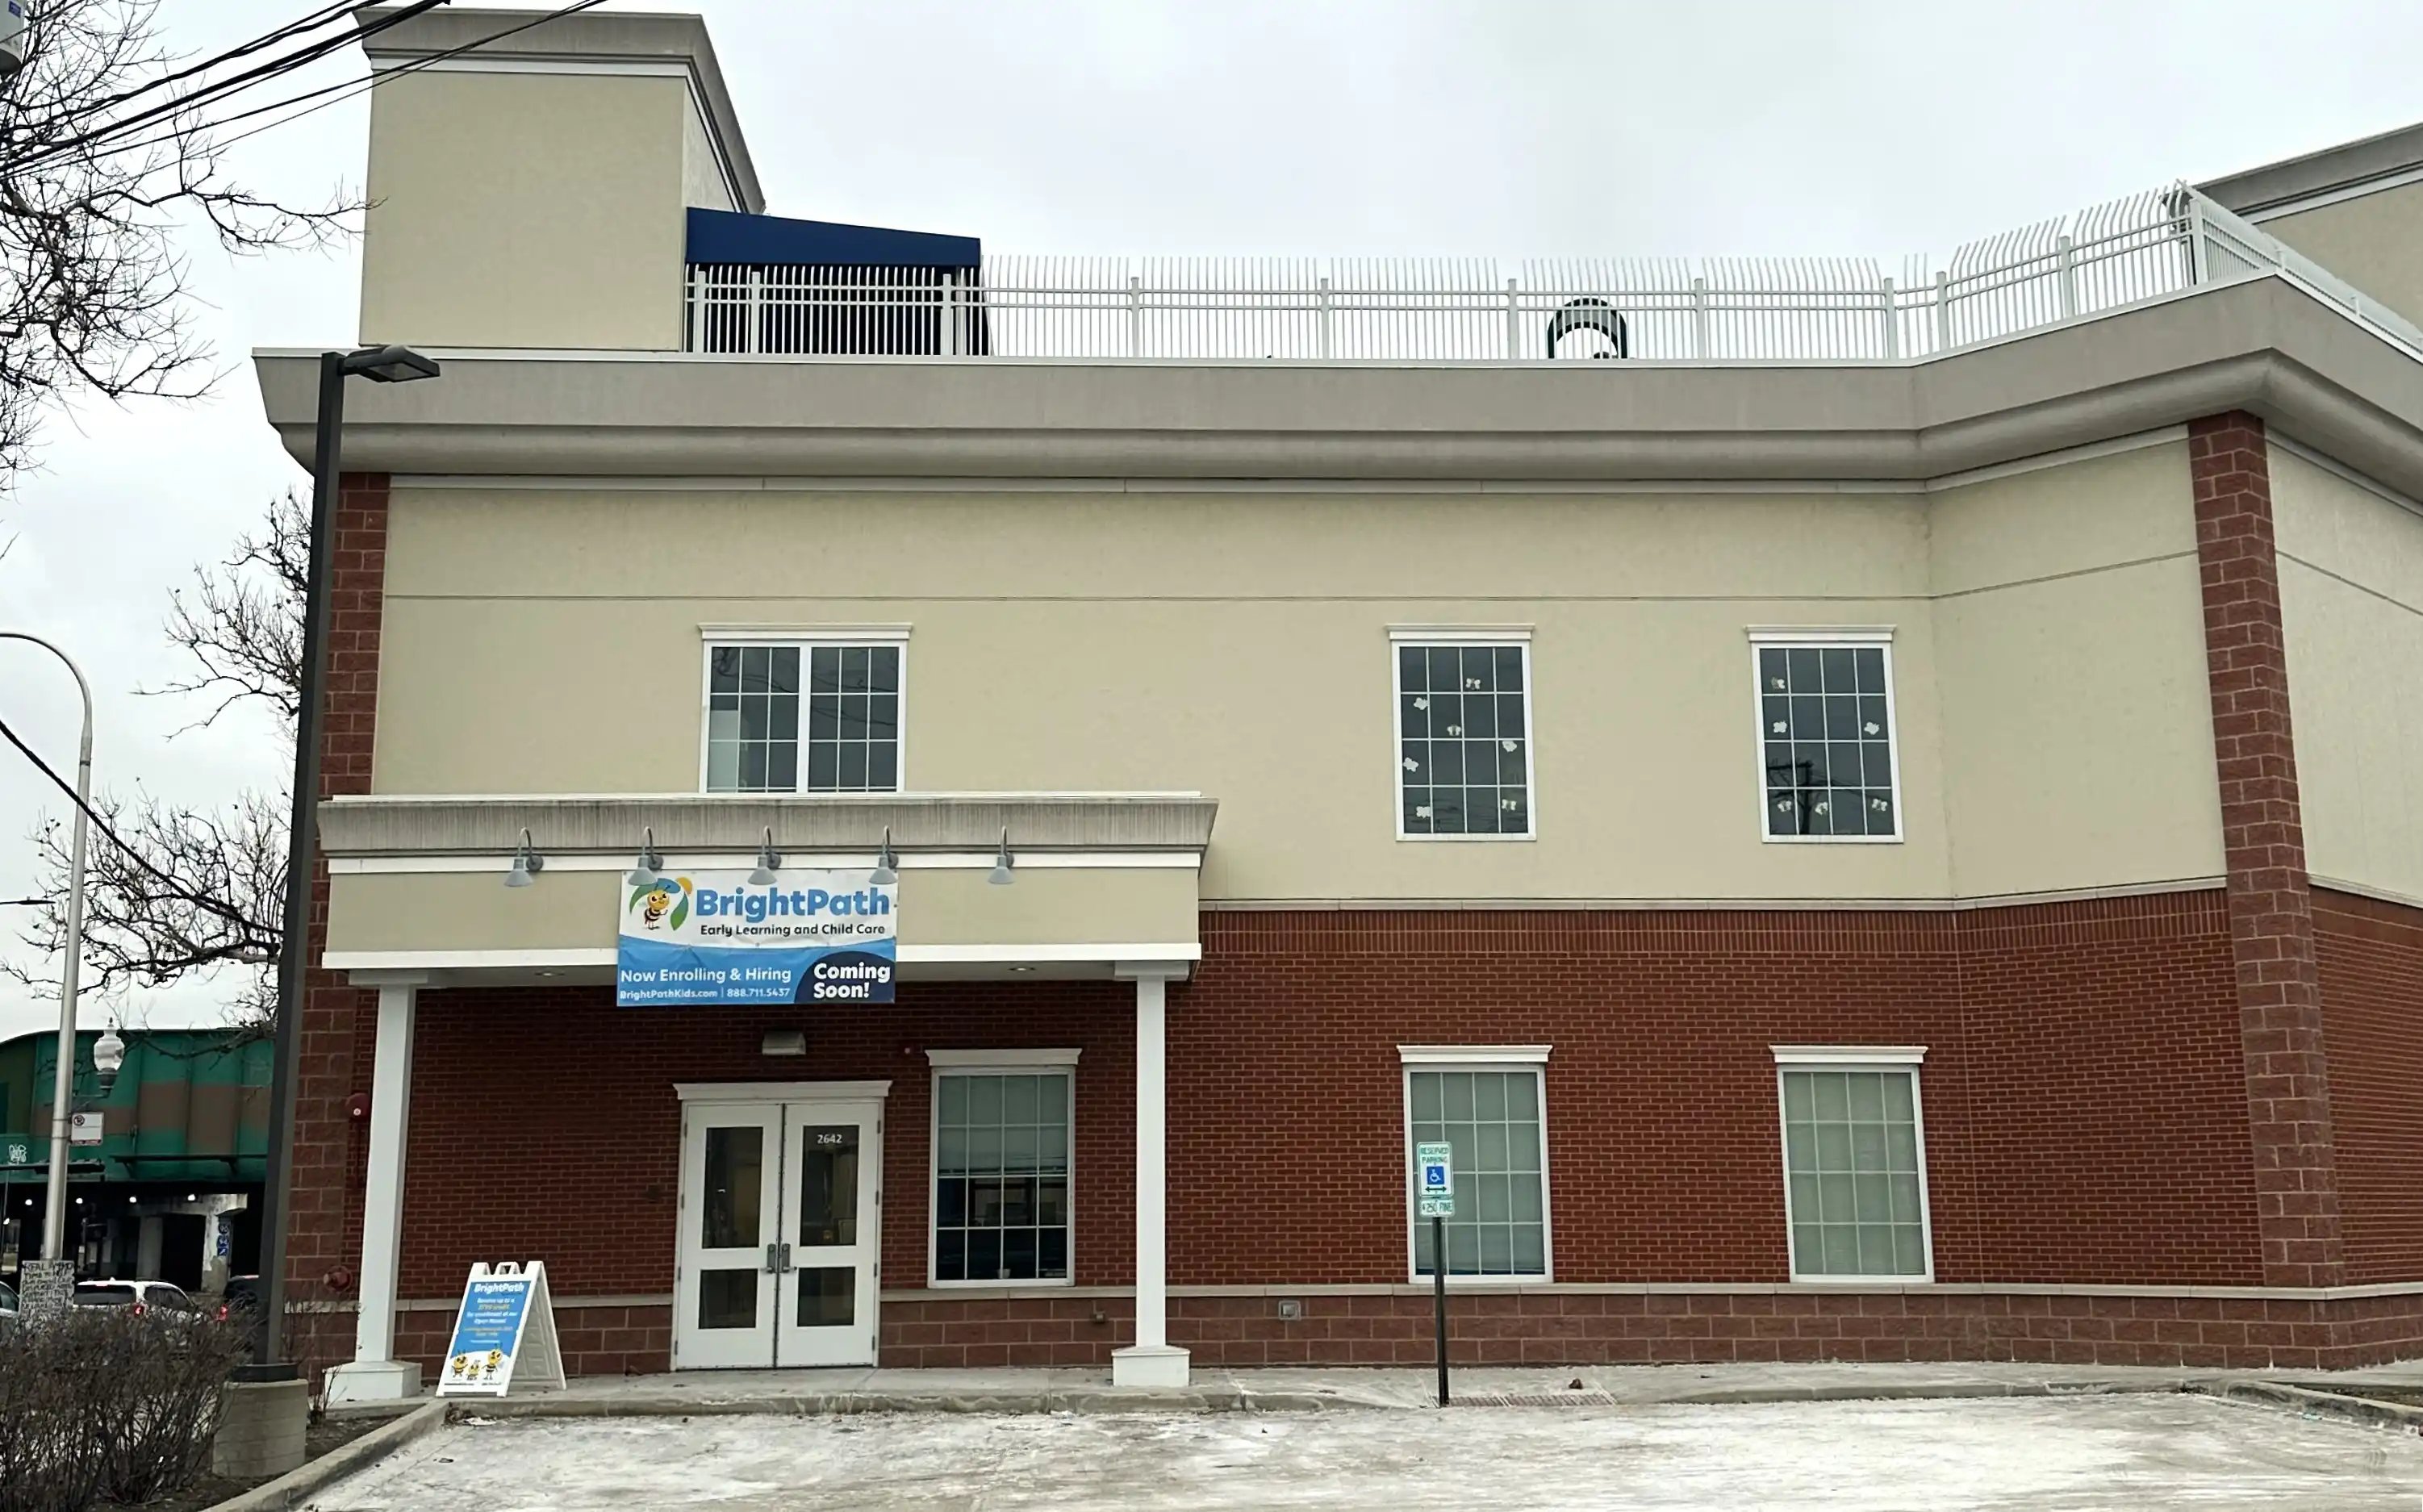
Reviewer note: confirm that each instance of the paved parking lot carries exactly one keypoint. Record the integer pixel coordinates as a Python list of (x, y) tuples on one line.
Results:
[(2141, 1451)]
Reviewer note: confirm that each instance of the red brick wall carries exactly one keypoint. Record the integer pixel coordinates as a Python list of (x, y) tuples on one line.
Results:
[(339, 1024), (545, 1125), (944, 1333), (2085, 1115), (2371, 955), (2263, 840)]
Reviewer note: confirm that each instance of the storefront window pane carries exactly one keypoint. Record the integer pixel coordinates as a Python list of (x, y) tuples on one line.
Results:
[(755, 713), (1491, 1119), (1850, 1152), (1001, 1177), (735, 1175)]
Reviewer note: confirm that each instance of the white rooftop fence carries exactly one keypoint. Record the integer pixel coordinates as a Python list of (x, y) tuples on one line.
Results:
[(1468, 309)]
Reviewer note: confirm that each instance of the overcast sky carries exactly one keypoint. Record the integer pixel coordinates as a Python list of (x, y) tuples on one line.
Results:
[(1502, 127)]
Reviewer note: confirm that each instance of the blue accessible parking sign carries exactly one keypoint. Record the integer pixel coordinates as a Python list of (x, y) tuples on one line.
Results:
[(1434, 1165)]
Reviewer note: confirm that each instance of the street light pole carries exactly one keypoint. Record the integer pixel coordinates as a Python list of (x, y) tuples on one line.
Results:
[(52, 1283), (386, 365)]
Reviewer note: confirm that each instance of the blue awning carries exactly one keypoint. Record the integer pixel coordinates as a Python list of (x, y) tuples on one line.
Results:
[(721, 236)]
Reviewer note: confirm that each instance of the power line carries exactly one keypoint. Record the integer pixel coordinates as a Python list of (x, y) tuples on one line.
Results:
[(349, 88), (99, 139), (293, 28), (183, 890)]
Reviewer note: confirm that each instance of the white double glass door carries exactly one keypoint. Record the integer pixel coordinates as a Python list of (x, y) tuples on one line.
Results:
[(779, 1229)]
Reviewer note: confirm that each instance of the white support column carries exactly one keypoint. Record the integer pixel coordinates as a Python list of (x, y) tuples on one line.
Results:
[(375, 1374), (1150, 1361)]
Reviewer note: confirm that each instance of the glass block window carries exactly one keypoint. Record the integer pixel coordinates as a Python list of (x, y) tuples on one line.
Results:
[(1855, 1184), (1000, 1175), (1826, 730), (1492, 1120), (1464, 740), (849, 706)]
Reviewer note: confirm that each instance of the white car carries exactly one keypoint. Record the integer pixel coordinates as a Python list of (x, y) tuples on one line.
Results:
[(145, 1297)]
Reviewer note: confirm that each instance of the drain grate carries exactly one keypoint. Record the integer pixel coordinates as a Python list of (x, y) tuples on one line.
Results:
[(1568, 1399)]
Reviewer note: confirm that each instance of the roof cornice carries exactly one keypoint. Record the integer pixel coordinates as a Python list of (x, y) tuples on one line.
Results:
[(2340, 171), (612, 823), (2260, 344)]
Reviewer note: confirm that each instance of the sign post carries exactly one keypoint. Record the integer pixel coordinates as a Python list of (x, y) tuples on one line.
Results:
[(507, 1323), (1434, 1181)]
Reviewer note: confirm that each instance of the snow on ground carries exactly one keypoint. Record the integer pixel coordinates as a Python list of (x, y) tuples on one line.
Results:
[(2144, 1452)]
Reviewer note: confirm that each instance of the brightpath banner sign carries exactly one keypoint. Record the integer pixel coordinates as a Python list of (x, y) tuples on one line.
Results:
[(717, 937)]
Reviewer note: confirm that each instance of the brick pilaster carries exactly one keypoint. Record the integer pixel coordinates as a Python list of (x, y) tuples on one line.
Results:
[(333, 1044), (2271, 904)]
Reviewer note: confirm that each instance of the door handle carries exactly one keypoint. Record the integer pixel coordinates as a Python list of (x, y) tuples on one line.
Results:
[(778, 1259)]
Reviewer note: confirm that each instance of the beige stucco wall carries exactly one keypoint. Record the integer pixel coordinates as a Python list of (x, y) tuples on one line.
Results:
[(2371, 242), (390, 913), (526, 210), (1235, 644), (2077, 719), (703, 181), (2351, 609)]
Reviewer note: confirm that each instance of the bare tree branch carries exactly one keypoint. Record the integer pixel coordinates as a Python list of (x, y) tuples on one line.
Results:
[(203, 893), (243, 625), (219, 907), (93, 294)]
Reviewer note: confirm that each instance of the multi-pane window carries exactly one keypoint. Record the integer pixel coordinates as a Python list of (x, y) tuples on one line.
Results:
[(1000, 1175), (1491, 1119), (1855, 1180), (767, 730), (1826, 731), (1463, 739)]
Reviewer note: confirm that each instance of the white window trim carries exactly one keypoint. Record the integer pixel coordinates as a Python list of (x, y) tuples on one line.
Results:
[(1870, 1056), (1903, 1057), (1517, 636), (1774, 635), (805, 638), (993, 1062), (773, 1091), (1532, 1058), (1011, 1060), (1471, 1055), (802, 635)]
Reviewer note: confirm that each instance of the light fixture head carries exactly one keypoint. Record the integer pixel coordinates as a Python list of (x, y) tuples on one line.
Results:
[(887, 863), (1003, 863), (108, 1055), (769, 861), (651, 866), (528, 863), (389, 365)]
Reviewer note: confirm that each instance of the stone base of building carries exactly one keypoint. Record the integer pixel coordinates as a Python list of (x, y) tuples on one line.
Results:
[(1578, 1327)]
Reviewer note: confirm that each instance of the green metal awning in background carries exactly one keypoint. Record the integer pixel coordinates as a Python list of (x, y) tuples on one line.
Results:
[(189, 1105)]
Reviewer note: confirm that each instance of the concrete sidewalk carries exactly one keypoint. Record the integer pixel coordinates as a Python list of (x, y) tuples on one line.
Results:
[(1009, 1391), (2109, 1451)]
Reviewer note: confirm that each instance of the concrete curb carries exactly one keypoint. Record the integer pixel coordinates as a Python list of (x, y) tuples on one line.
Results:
[(844, 1404), (840, 1404), (313, 1475), (2280, 1395), (1911, 1392)]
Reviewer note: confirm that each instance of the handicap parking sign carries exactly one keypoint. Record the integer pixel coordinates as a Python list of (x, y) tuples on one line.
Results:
[(1435, 1168)]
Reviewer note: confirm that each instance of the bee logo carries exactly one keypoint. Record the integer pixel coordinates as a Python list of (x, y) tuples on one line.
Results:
[(662, 903)]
